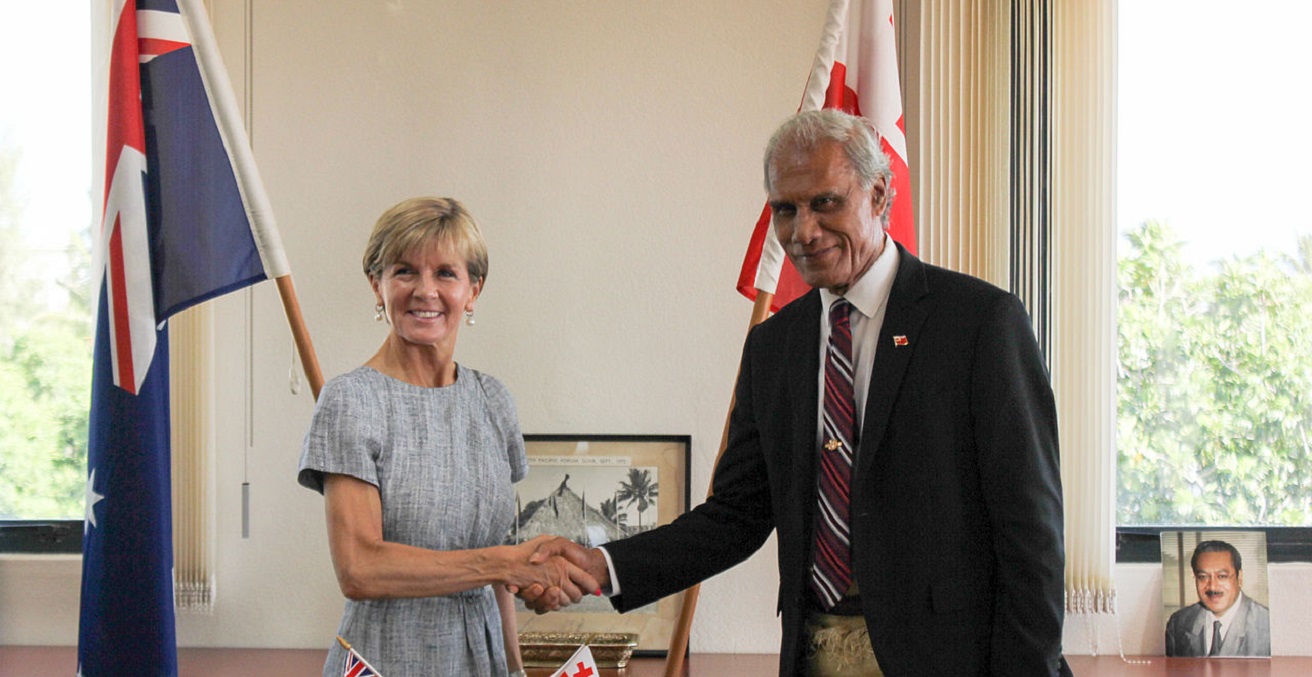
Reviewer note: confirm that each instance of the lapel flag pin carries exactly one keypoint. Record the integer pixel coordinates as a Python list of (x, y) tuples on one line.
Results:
[(900, 341)]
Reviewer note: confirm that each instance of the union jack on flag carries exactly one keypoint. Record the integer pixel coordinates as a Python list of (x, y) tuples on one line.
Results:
[(355, 666), (185, 217)]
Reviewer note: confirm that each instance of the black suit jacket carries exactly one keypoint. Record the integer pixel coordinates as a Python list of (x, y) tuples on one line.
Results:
[(957, 513)]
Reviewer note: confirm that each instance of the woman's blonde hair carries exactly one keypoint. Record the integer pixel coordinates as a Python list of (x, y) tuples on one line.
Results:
[(419, 221)]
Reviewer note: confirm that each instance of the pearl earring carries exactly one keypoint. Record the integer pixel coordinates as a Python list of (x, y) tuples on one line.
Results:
[(469, 317), (378, 313)]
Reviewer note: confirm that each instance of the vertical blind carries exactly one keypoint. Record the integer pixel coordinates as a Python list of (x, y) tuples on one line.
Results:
[(1084, 292), (1011, 123), (191, 398), (962, 114), (1031, 164)]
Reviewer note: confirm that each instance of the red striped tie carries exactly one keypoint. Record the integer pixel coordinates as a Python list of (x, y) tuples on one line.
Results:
[(831, 574)]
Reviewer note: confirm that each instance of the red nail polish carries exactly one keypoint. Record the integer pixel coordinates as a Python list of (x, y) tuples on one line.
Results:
[(598, 592)]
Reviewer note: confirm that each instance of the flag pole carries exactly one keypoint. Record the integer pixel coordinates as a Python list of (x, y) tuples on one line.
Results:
[(683, 626), (258, 210), (300, 334)]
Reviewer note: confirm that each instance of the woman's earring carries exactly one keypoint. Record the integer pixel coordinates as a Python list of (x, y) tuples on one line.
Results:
[(378, 313), (469, 317)]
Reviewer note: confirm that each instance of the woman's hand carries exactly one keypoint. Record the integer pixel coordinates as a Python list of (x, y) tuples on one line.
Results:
[(543, 566), (370, 567), (542, 598)]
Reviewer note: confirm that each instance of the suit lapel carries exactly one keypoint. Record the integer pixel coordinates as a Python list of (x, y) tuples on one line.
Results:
[(803, 384), (1234, 637), (898, 337), (1201, 630), (795, 430)]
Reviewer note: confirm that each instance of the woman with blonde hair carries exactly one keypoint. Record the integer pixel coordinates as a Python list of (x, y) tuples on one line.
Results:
[(415, 455)]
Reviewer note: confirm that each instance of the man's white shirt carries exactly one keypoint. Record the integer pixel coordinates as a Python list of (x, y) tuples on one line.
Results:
[(1226, 619)]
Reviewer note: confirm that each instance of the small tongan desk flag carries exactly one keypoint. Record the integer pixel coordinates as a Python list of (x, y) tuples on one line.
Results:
[(580, 664), (855, 70), (185, 220)]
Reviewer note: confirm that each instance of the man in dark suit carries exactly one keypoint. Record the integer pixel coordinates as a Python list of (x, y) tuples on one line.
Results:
[(949, 536), (1225, 621)]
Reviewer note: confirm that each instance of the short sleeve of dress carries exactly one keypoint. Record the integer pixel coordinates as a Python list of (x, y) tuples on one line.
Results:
[(345, 435), (505, 419)]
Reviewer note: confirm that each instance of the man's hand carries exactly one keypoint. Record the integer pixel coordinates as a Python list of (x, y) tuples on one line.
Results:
[(555, 581), (589, 562)]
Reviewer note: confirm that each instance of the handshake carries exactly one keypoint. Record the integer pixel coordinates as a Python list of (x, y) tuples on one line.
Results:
[(549, 573)]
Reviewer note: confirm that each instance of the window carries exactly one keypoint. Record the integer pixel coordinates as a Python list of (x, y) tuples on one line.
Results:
[(45, 266), (1215, 271)]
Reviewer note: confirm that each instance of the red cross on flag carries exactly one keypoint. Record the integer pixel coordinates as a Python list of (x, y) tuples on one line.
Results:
[(578, 665)]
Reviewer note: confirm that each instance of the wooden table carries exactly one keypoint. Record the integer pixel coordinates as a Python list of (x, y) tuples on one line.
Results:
[(44, 661), (758, 665), (1113, 666)]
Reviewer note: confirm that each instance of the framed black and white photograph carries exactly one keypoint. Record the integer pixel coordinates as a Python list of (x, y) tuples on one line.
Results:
[(594, 489)]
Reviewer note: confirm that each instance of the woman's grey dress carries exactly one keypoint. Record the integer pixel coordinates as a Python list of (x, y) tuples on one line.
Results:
[(443, 460)]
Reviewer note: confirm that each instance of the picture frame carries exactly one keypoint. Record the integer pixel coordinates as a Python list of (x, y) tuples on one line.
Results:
[(1182, 594), (594, 489)]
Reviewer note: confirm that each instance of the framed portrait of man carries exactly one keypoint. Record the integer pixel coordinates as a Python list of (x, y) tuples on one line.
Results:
[(1215, 594)]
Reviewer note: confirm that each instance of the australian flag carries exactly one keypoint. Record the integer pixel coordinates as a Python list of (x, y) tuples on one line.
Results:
[(185, 220)]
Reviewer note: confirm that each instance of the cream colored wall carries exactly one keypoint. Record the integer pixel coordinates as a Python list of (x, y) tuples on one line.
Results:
[(611, 150)]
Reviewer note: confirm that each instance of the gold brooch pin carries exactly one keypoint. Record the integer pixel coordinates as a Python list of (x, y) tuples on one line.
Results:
[(832, 445)]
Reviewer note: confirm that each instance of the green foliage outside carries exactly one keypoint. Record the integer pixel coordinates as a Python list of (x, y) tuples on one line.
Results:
[(1214, 421), (45, 369)]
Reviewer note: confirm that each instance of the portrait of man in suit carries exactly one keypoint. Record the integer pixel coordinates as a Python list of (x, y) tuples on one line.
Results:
[(1224, 621)]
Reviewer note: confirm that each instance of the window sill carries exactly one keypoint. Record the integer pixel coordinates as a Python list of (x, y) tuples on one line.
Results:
[(1142, 544), (44, 537)]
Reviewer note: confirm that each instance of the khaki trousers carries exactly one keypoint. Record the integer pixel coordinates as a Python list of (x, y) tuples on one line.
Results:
[(839, 646)]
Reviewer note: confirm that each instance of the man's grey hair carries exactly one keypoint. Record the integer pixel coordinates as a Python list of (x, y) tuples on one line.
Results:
[(809, 130)]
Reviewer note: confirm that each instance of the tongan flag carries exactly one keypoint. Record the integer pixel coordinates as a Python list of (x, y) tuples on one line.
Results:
[(185, 220), (855, 69), (581, 664)]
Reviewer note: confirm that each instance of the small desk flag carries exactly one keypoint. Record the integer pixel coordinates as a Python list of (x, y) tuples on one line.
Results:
[(580, 664), (354, 665)]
